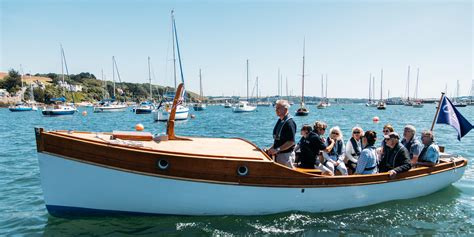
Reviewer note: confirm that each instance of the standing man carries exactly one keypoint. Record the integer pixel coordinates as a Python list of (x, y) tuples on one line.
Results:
[(283, 136), (396, 159)]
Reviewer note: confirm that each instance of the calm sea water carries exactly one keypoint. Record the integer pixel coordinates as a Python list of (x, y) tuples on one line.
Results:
[(22, 211)]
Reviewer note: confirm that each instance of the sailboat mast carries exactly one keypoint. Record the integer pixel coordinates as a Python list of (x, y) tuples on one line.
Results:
[(200, 84), (103, 82), (113, 75), (287, 96), (257, 89), (408, 84), (174, 49), (278, 82), (247, 80), (322, 86), (370, 87), (326, 96), (302, 76), (381, 84), (416, 88), (149, 78)]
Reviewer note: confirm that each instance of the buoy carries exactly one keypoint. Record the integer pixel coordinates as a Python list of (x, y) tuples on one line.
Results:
[(139, 127), (193, 116), (375, 119), (84, 113)]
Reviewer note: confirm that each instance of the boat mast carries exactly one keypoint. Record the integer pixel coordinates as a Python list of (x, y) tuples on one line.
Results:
[(278, 83), (408, 84), (149, 78), (287, 95), (326, 96), (302, 76), (416, 88), (113, 75), (247, 80), (322, 87), (174, 50), (200, 85), (370, 87), (257, 90), (381, 84), (103, 83)]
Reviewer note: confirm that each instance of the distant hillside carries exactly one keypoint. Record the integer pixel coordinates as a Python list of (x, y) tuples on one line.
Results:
[(92, 88)]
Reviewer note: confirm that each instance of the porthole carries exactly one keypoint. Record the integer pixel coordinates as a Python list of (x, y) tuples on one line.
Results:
[(242, 170), (163, 164)]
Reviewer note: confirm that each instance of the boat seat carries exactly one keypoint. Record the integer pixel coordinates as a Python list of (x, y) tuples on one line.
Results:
[(132, 136)]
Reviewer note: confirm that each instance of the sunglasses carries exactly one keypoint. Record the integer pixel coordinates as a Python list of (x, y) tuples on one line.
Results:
[(335, 133), (386, 130), (356, 132)]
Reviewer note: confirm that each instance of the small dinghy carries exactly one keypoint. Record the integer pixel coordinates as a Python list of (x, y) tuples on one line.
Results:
[(89, 173)]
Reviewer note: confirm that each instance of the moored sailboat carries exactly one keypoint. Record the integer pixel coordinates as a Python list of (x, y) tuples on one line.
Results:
[(381, 104), (200, 105), (244, 106), (146, 107), (302, 110), (417, 103), (163, 112), (60, 107)]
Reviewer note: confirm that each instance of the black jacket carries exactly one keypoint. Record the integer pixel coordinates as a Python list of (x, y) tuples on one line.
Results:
[(397, 159)]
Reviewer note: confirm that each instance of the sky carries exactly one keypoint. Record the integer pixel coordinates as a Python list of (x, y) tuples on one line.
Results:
[(347, 40)]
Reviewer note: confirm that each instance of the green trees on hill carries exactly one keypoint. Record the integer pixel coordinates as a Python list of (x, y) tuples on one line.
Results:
[(12, 82)]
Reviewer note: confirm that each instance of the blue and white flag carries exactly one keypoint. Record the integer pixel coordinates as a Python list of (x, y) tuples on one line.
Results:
[(448, 114)]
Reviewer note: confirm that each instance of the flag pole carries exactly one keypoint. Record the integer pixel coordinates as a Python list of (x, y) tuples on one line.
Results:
[(437, 111)]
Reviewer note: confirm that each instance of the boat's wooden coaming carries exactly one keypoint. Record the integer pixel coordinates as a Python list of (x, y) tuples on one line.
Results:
[(208, 169)]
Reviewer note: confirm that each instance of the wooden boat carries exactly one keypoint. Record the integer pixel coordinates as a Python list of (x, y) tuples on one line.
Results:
[(88, 173)]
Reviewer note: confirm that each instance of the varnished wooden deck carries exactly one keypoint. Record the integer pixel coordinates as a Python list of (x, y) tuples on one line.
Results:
[(218, 147)]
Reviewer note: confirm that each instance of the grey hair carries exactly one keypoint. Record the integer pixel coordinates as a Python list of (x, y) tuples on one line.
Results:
[(411, 128), (283, 103), (428, 132), (358, 128), (336, 128)]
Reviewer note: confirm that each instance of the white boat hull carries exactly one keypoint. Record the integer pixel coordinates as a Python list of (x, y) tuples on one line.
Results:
[(102, 109), (162, 115), (71, 187)]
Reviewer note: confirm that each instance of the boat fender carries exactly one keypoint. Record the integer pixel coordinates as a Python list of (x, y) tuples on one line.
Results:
[(163, 164), (242, 170)]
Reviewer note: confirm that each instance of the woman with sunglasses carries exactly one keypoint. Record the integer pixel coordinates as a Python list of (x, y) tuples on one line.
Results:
[(353, 149), (334, 159)]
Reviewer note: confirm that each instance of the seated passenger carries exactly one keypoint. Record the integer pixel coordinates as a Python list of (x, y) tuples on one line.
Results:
[(310, 146), (395, 158), (353, 149), (429, 155), (334, 159), (388, 128), (367, 163), (411, 143), (320, 129)]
